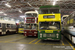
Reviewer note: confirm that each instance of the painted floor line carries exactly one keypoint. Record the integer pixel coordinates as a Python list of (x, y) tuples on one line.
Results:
[(37, 41), (70, 45), (62, 42), (33, 40)]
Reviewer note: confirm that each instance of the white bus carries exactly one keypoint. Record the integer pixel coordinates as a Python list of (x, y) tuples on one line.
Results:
[(64, 17), (7, 27)]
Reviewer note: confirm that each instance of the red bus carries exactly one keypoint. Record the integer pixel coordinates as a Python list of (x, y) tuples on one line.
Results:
[(31, 26)]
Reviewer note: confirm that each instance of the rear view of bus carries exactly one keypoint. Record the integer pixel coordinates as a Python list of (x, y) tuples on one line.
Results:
[(49, 23), (30, 27)]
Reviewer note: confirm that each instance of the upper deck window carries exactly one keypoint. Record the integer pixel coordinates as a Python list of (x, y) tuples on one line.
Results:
[(47, 11), (31, 15)]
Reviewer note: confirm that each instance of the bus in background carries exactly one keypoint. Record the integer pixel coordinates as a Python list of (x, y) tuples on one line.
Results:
[(49, 23), (7, 27), (31, 20), (64, 16), (69, 27), (21, 27)]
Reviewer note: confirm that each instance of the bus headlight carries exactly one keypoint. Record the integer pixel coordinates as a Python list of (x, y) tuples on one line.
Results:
[(40, 35), (25, 32), (35, 32), (57, 35)]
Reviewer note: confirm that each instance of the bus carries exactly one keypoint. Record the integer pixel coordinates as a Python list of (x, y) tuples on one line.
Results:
[(21, 27), (31, 26), (7, 27), (69, 27), (49, 23), (64, 16)]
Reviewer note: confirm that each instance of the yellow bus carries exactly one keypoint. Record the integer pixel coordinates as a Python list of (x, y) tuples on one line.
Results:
[(49, 23), (21, 27)]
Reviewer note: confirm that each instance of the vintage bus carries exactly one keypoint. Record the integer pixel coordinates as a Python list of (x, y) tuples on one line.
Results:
[(69, 27), (64, 16), (21, 27), (7, 27), (31, 20), (49, 23)]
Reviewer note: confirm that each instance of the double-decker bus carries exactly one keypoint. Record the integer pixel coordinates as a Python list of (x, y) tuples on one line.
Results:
[(30, 27), (7, 27), (69, 27), (49, 23), (21, 27)]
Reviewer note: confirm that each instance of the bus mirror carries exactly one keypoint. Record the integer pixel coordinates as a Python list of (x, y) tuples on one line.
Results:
[(61, 22), (74, 25)]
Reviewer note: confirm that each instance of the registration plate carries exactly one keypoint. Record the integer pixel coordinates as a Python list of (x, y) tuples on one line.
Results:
[(30, 32), (48, 31)]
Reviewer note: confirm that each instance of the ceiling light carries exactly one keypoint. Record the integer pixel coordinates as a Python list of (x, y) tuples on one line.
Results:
[(22, 16), (1, 12), (17, 21), (7, 5), (56, 0), (20, 11), (28, 3), (54, 3), (36, 10), (5, 14)]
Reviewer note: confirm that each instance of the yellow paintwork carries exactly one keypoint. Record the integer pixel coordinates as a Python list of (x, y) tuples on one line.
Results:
[(41, 19), (48, 31), (21, 30), (68, 22), (71, 20), (57, 17)]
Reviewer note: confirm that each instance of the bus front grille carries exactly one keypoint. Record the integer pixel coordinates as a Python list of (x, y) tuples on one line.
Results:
[(48, 35)]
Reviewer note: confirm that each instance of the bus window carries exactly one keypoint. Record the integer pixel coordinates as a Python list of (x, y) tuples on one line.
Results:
[(43, 11), (54, 10), (8, 25), (49, 25), (21, 26), (11, 25), (0, 24), (31, 15), (47, 11), (30, 26)]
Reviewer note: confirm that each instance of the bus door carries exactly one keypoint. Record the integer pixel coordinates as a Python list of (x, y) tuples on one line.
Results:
[(3, 28)]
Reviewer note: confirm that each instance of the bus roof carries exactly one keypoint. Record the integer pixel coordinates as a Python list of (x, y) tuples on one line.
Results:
[(31, 12), (49, 6), (7, 22)]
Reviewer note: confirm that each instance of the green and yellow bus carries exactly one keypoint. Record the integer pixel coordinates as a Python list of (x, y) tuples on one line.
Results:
[(49, 23)]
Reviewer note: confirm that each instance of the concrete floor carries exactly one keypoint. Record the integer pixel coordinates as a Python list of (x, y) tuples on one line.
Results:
[(20, 42)]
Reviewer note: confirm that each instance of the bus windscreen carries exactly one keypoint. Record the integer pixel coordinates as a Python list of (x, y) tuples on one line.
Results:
[(49, 25), (30, 26)]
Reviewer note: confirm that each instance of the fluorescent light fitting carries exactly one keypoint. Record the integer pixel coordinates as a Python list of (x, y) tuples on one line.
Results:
[(1, 12), (5, 14), (56, 0), (22, 16), (7, 5), (36, 10), (29, 4), (54, 3), (20, 11)]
